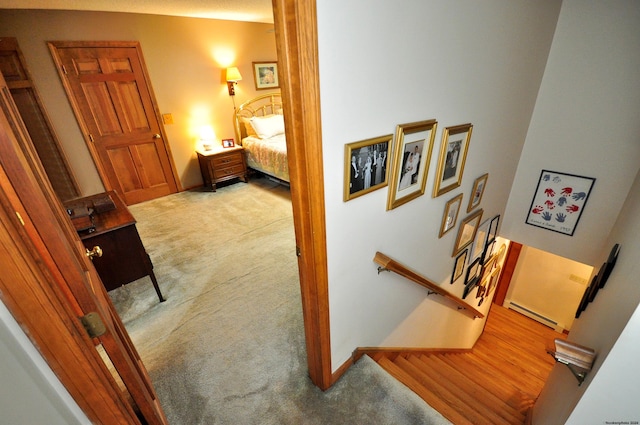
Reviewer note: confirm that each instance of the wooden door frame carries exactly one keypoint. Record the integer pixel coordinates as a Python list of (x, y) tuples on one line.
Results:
[(53, 46), (297, 48)]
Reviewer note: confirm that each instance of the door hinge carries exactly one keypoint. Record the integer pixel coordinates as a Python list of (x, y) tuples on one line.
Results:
[(94, 325), (64, 69), (91, 138), (298, 252)]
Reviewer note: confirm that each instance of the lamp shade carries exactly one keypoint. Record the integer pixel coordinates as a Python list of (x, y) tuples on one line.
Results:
[(233, 74)]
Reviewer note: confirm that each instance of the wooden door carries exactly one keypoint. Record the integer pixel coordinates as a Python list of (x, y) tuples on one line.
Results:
[(53, 285), (107, 85), (14, 69)]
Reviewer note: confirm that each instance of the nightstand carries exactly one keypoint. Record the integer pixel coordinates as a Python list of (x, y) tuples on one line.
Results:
[(222, 164)]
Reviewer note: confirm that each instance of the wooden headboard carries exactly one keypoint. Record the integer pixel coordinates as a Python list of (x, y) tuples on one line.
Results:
[(265, 104)]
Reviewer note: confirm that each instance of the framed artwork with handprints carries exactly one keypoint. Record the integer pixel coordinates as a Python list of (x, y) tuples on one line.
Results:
[(453, 155), (413, 147), (265, 75), (365, 166), (450, 216), (477, 192), (467, 231), (558, 201)]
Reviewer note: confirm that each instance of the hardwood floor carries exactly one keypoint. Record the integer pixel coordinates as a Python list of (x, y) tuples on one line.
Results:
[(495, 383)]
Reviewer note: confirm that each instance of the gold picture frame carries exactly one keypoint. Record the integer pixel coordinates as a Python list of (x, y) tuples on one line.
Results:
[(478, 190), (409, 176), (265, 75), (450, 216), (365, 166), (467, 231), (453, 155)]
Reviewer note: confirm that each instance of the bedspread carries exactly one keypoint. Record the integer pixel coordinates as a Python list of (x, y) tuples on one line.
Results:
[(268, 155)]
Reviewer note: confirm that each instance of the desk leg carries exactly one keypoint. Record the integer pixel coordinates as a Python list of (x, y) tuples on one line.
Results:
[(155, 285)]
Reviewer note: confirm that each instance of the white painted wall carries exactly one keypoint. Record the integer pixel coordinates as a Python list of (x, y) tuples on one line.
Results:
[(384, 64), (548, 285), (30, 393), (611, 326), (585, 123)]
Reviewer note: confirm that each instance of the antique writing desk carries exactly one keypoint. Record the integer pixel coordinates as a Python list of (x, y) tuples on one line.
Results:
[(124, 258)]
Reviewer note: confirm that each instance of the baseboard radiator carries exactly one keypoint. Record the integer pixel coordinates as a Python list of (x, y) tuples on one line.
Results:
[(558, 327)]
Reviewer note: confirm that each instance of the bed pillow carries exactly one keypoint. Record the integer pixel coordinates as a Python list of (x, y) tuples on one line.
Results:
[(268, 126), (248, 128)]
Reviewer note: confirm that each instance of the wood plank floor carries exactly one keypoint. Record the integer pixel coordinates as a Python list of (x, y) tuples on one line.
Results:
[(496, 383)]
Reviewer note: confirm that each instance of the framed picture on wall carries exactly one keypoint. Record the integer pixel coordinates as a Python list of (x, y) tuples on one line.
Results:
[(558, 201), (365, 166), (450, 216), (412, 155), (453, 155), (265, 75), (458, 267), (467, 232), (477, 192)]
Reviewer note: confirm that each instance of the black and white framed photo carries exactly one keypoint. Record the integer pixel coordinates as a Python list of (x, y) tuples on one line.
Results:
[(413, 147), (558, 201), (365, 166), (453, 155)]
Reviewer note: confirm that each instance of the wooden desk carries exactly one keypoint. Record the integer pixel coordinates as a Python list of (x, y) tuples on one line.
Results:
[(124, 258)]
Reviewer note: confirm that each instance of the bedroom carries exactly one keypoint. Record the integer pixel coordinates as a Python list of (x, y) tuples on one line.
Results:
[(185, 60)]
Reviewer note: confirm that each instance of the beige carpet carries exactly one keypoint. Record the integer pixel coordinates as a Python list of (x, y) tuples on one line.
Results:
[(227, 347)]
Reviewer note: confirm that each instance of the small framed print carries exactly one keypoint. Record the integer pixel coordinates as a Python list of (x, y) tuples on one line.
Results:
[(467, 231), (493, 229), (453, 155), (474, 271), (265, 75), (228, 143), (558, 201), (477, 192), (480, 241), (458, 267), (365, 166), (413, 146), (450, 216)]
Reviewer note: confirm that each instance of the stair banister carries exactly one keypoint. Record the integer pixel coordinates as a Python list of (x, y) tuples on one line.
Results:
[(388, 264)]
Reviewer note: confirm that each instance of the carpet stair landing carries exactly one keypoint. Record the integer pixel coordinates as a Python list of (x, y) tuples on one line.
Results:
[(496, 383)]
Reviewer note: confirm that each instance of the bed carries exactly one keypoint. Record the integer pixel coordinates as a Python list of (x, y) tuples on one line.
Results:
[(259, 127)]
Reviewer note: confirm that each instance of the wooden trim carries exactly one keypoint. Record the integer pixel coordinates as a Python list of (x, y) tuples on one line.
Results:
[(510, 263), (297, 48), (389, 264)]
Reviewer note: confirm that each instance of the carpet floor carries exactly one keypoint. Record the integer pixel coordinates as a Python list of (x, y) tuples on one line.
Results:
[(227, 346)]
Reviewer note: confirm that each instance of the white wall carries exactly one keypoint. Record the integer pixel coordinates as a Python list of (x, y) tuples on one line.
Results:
[(584, 123), (611, 391), (548, 285), (29, 391), (382, 65)]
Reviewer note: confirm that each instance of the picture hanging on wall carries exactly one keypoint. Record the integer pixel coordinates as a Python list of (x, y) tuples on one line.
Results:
[(365, 166), (453, 155), (450, 216), (413, 147), (458, 267), (558, 201), (477, 192), (467, 231), (265, 75)]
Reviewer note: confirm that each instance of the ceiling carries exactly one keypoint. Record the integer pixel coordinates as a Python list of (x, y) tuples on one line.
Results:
[(232, 10)]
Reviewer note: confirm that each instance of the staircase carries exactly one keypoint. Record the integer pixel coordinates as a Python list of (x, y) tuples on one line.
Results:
[(495, 383)]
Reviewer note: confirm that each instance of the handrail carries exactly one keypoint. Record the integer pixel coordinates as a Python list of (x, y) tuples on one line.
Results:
[(388, 264)]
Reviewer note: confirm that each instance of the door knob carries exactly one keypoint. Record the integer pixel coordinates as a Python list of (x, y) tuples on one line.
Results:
[(95, 252), (157, 136)]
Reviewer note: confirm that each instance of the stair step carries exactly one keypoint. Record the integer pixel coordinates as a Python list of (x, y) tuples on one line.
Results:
[(426, 394), (476, 392)]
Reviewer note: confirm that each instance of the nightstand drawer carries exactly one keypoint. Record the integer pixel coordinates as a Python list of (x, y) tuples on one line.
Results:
[(228, 170), (228, 160)]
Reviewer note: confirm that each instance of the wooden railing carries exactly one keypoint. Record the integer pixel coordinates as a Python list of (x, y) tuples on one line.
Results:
[(388, 264)]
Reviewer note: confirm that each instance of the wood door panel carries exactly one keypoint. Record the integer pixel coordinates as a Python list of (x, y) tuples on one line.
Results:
[(113, 101)]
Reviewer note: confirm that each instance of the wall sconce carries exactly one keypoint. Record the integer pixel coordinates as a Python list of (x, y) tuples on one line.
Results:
[(233, 76)]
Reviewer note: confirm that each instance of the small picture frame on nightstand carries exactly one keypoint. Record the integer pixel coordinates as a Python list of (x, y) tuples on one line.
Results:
[(228, 143)]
